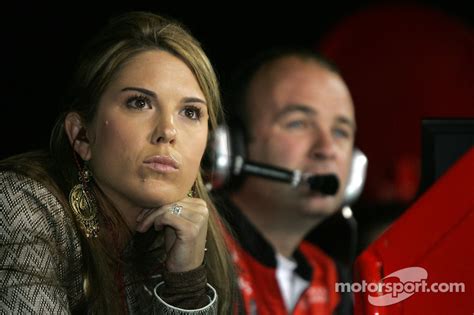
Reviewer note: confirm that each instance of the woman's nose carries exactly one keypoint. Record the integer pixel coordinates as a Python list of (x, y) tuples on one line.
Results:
[(165, 131)]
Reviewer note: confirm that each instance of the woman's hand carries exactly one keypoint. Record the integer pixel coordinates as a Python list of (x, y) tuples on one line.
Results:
[(185, 228)]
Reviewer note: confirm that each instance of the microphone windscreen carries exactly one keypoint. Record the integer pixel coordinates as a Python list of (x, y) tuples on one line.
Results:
[(325, 184)]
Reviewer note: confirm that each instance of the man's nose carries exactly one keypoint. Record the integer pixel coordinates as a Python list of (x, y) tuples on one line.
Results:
[(324, 146)]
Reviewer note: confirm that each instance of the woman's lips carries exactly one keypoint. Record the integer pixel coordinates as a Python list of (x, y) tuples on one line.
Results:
[(162, 164)]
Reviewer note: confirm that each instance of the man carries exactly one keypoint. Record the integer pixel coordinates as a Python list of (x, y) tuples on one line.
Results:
[(298, 114)]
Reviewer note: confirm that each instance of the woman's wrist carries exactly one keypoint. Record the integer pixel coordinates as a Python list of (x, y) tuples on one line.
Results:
[(185, 289), (163, 307)]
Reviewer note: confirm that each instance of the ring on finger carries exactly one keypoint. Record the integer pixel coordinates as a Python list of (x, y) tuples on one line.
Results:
[(176, 209)]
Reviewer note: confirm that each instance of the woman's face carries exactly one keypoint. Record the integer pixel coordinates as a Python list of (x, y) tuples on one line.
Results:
[(149, 133)]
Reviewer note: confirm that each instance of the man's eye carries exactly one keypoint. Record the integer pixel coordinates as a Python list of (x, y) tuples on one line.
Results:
[(296, 124), (341, 133)]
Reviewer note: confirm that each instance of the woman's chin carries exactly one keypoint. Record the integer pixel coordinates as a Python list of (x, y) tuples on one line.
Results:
[(160, 193), (157, 200)]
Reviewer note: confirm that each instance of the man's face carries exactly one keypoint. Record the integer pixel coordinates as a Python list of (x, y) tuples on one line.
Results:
[(301, 117)]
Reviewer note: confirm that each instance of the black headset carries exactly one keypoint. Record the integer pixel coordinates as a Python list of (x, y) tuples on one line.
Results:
[(225, 163), (226, 166)]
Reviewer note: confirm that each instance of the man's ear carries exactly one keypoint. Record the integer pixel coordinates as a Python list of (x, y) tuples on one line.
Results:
[(77, 135)]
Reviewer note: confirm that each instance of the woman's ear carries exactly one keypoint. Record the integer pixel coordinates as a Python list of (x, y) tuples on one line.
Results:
[(77, 135)]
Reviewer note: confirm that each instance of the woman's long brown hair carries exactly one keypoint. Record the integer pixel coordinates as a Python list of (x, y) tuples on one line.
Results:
[(122, 39)]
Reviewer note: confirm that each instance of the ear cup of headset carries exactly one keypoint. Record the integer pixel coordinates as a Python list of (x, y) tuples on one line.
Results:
[(224, 156), (238, 149), (357, 176)]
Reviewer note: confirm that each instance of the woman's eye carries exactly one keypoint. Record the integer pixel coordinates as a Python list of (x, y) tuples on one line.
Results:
[(139, 102), (192, 112)]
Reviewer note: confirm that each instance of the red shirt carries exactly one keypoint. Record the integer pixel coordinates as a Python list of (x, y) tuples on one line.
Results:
[(256, 267), (261, 293)]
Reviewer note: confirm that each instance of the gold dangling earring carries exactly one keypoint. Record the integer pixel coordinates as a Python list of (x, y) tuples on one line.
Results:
[(192, 192), (83, 204)]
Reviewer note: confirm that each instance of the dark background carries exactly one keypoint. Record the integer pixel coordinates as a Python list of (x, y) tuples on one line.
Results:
[(40, 42)]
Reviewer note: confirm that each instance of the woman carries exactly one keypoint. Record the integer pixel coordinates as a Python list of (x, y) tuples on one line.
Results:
[(115, 219)]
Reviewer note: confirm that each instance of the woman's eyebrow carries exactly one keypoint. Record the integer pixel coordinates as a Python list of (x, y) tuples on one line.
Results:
[(142, 90), (194, 100), (153, 95)]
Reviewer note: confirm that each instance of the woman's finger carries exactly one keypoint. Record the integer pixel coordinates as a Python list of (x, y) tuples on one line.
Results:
[(192, 209)]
